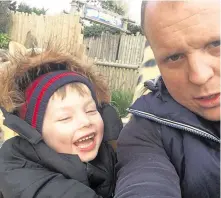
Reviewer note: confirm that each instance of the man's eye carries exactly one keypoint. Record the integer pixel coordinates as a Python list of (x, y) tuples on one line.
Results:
[(215, 44), (174, 57)]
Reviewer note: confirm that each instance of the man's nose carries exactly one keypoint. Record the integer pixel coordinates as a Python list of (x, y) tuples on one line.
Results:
[(200, 68)]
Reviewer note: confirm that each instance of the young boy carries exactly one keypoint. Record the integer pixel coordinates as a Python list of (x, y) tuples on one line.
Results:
[(61, 150)]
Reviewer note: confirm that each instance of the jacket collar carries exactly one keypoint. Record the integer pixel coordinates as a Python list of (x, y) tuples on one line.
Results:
[(160, 103), (68, 165), (22, 128)]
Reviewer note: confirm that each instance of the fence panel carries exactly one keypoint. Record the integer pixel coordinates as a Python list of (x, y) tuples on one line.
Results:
[(107, 47), (119, 76), (63, 29)]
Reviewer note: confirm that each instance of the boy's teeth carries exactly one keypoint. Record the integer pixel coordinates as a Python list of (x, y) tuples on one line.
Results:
[(82, 146), (86, 138)]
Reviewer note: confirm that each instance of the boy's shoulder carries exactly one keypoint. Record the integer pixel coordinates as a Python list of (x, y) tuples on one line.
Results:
[(16, 153), (16, 144)]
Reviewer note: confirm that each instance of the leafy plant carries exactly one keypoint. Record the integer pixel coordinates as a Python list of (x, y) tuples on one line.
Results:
[(133, 28), (121, 100), (23, 7), (5, 16), (4, 41), (95, 30), (113, 6)]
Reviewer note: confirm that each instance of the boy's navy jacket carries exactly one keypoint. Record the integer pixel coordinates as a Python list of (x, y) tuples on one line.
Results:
[(167, 151), (29, 168)]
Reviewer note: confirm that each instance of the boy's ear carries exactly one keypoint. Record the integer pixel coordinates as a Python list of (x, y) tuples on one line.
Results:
[(17, 48)]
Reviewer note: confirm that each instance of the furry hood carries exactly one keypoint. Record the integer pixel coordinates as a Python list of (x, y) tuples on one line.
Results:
[(22, 68)]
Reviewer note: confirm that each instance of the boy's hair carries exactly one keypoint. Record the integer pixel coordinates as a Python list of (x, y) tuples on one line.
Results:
[(78, 87)]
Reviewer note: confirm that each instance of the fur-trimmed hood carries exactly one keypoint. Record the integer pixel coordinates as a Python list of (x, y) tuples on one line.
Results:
[(22, 68)]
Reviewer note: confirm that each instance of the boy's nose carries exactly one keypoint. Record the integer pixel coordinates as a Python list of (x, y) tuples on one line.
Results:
[(83, 120)]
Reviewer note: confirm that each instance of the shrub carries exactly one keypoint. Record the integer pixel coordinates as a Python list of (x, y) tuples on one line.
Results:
[(121, 100), (4, 41)]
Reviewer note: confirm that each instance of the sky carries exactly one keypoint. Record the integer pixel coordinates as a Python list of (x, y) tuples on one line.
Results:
[(57, 6)]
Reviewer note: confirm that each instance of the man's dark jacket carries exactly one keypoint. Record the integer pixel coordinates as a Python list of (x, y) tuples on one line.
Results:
[(167, 151), (30, 169)]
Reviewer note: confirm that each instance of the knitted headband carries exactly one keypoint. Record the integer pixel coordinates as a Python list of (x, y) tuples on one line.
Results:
[(41, 89)]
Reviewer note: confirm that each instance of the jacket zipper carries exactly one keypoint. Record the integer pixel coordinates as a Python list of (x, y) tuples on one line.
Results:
[(174, 124)]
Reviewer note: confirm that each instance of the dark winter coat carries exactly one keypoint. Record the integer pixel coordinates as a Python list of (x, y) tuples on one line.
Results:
[(29, 168), (167, 151)]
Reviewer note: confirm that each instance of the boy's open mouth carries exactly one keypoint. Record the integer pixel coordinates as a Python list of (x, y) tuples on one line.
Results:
[(86, 143)]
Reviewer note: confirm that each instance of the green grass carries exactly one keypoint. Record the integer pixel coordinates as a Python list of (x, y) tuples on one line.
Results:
[(121, 100)]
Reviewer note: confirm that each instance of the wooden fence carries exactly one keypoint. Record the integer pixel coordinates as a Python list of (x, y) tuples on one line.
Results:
[(131, 49), (117, 56), (128, 49), (63, 29), (66, 30), (119, 76), (104, 47)]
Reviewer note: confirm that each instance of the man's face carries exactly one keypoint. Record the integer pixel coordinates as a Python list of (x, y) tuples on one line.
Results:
[(185, 38), (73, 125)]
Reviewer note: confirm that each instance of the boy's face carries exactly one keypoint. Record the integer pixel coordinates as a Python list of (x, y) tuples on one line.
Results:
[(73, 125)]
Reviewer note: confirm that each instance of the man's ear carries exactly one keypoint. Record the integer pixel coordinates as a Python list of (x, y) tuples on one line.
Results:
[(17, 49)]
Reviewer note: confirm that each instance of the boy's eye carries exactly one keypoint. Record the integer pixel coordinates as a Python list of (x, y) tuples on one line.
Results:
[(64, 119), (92, 111)]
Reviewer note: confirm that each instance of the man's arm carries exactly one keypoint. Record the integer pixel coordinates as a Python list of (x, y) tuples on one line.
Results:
[(144, 169)]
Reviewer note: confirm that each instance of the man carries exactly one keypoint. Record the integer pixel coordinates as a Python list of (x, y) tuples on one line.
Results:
[(171, 147)]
